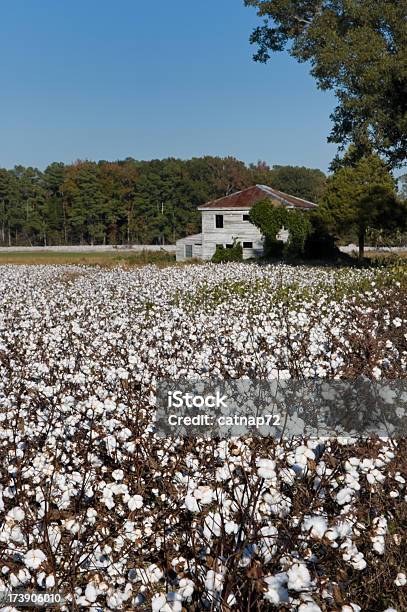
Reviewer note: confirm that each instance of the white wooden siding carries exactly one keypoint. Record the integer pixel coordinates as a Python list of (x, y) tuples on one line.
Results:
[(194, 241), (234, 228)]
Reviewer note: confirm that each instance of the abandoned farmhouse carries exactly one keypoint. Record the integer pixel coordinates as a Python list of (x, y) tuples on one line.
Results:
[(226, 220)]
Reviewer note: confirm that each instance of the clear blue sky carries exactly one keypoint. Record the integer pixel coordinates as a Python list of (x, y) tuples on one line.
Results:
[(105, 79)]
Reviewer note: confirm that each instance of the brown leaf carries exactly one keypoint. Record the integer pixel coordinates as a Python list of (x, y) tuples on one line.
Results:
[(337, 594), (255, 571)]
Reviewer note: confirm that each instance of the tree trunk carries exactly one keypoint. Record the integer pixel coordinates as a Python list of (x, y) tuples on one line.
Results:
[(362, 232), (64, 217)]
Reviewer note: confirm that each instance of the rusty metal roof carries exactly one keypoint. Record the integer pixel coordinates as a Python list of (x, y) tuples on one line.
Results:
[(246, 198)]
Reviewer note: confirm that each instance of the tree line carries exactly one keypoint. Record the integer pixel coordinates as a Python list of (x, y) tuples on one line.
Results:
[(129, 201)]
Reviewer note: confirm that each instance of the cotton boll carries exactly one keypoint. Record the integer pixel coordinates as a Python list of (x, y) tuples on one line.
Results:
[(299, 578), (204, 494), (266, 468), (191, 503), (34, 558), (401, 579), (213, 581), (16, 514), (277, 592), (50, 581), (118, 474), (186, 588), (344, 496), (316, 525), (91, 593), (135, 502), (309, 606)]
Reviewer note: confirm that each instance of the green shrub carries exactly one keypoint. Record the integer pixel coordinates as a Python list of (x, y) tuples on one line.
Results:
[(222, 255)]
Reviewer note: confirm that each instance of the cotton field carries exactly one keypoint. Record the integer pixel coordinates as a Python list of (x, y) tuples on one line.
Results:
[(94, 505)]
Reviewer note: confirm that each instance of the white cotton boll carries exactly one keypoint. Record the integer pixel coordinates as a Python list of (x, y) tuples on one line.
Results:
[(351, 608), (231, 527), (376, 371), (135, 502), (91, 593), (316, 525), (266, 468), (213, 581), (114, 601), (277, 592), (358, 562), (50, 581), (191, 503), (34, 557), (212, 525), (299, 578), (109, 502), (118, 474), (154, 573), (14, 580), (231, 600), (158, 602), (287, 475), (91, 514), (401, 579), (331, 534), (344, 496), (309, 606), (224, 473), (379, 544), (24, 576), (204, 494), (16, 514), (267, 542), (186, 588)]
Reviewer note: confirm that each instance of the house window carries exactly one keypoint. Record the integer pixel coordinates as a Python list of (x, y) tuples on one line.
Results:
[(246, 218), (248, 245), (229, 246), (188, 250), (219, 221)]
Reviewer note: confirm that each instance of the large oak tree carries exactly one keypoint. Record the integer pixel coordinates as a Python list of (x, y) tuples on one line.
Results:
[(358, 49)]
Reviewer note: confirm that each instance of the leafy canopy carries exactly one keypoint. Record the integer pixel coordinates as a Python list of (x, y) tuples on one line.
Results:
[(362, 197), (358, 48)]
